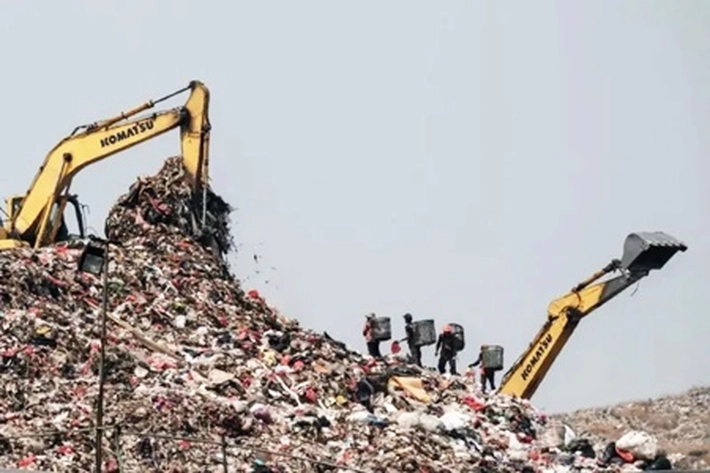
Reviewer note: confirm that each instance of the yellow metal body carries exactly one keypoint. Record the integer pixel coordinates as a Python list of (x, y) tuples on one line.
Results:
[(563, 316), (37, 217), (643, 252)]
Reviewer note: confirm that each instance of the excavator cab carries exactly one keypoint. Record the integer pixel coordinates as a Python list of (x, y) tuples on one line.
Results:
[(648, 251), (13, 206), (65, 232)]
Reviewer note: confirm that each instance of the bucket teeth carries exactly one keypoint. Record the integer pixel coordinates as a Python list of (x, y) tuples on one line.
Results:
[(647, 251), (660, 239)]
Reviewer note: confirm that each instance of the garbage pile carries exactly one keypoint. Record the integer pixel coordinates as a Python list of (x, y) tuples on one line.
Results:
[(203, 376), (167, 206), (633, 451), (679, 422)]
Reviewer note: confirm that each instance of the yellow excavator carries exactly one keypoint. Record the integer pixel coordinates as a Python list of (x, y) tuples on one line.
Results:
[(643, 253), (36, 219)]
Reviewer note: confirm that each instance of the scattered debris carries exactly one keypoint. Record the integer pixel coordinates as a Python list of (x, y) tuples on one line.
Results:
[(201, 373), (681, 423)]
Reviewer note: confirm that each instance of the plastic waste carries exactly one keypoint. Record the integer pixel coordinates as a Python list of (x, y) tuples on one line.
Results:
[(640, 444), (454, 420), (194, 357), (660, 463)]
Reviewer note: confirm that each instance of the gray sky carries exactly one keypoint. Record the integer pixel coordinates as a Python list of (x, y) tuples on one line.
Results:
[(456, 159)]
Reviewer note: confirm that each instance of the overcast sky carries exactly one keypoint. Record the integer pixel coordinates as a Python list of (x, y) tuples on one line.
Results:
[(459, 160)]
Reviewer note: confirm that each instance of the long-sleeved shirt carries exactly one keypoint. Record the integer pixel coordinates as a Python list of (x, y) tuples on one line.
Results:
[(477, 362), (445, 343), (409, 332)]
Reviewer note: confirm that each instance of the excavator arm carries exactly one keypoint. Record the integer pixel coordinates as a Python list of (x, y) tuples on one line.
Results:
[(39, 215), (643, 253)]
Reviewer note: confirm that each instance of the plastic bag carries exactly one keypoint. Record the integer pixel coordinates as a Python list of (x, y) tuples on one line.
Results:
[(408, 420), (430, 423), (553, 436), (640, 444), (454, 420)]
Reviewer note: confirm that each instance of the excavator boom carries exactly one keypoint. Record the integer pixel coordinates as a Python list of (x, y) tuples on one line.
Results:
[(643, 253), (39, 215)]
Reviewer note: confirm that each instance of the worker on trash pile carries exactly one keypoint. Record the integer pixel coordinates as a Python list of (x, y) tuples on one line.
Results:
[(363, 390), (488, 376), (446, 346), (415, 352), (373, 346)]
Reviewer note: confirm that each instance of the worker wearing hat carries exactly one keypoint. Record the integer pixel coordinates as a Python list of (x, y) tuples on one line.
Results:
[(446, 350), (373, 346)]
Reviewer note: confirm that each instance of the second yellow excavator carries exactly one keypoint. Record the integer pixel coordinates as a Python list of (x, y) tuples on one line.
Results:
[(643, 253), (37, 218)]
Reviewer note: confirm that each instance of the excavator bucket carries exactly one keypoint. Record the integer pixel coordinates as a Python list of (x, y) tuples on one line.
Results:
[(648, 251)]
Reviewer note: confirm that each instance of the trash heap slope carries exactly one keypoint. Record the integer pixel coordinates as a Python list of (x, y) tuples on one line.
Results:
[(681, 422), (193, 360)]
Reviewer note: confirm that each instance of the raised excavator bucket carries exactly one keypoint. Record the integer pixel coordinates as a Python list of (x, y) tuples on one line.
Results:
[(648, 251)]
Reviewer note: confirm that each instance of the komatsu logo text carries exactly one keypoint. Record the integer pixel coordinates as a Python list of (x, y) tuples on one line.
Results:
[(541, 349), (135, 130)]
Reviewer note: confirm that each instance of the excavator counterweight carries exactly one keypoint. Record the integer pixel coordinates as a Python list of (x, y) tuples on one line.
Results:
[(643, 253)]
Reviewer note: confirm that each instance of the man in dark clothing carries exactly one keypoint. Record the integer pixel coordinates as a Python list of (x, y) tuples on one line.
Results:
[(415, 352), (364, 392), (445, 345), (487, 375), (373, 346)]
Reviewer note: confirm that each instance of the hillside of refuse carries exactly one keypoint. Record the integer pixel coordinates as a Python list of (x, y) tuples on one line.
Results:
[(680, 422), (203, 375)]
